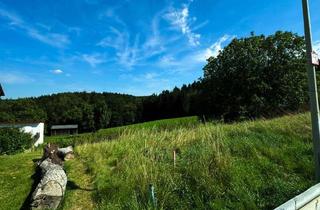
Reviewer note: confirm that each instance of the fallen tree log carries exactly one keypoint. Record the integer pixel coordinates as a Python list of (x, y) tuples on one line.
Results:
[(52, 186)]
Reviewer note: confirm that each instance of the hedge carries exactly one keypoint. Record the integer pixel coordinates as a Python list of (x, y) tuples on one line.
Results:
[(13, 141)]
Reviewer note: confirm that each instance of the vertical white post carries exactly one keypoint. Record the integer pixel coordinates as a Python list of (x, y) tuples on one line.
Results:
[(174, 157), (313, 94)]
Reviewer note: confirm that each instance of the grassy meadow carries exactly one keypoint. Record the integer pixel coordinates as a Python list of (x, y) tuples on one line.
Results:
[(115, 132), (248, 165)]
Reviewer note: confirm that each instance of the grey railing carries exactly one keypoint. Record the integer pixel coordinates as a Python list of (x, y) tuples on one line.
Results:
[(310, 199)]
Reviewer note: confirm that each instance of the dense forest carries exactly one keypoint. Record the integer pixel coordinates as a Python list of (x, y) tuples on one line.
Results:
[(252, 77)]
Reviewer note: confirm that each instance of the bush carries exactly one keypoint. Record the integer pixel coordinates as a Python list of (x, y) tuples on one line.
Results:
[(13, 141)]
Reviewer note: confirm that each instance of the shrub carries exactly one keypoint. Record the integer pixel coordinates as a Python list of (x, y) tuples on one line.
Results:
[(13, 141)]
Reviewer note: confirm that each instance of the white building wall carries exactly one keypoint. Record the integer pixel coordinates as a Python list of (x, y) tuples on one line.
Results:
[(35, 129)]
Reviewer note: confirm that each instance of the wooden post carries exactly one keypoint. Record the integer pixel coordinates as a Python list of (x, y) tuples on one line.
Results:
[(176, 151)]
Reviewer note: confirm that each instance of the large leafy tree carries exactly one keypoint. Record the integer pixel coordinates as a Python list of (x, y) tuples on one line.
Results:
[(257, 76)]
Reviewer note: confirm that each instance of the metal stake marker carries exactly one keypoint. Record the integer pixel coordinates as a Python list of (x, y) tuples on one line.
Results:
[(313, 94), (152, 195), (174, 158)]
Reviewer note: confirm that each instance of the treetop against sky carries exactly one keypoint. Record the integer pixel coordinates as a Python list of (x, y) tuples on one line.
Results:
[(138, 47)]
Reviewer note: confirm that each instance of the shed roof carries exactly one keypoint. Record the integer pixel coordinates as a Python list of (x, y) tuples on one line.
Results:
[(57, 127), (1, 91)]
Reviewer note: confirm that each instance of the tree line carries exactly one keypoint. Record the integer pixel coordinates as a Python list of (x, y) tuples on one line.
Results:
[(91, 111), (252, 77)]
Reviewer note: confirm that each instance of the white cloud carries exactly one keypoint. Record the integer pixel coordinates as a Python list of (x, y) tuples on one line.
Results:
[(154, 41), (53, 39), (111, 14), (93, 59), (14, 78), (150, 75), (213, 50), (135, 49), (168, 61), (129, 55), (180, 19), (13, 18), (57, 71), (316, 46), (127, 51), (191, 61)]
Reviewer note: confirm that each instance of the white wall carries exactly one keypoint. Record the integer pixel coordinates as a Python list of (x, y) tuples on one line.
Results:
[(35, 129)]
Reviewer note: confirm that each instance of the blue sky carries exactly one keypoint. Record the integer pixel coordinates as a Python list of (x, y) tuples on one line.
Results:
[(137, 47)]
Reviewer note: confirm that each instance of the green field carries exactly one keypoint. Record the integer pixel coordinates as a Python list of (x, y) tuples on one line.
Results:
[(113, 133), (247, 165)]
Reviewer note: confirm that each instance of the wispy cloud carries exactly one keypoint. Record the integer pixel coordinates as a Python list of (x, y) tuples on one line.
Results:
[(135, 49), (53, 39), (129, 50), (93, 59), (57, 71), (14, 78), (111, 14), (214, 49), (168, 61), (120, 40), (316, 46), (155, 43), (148, 76), (13, 18), (179, 18), (191, 60), (36, 31), (152, 82)]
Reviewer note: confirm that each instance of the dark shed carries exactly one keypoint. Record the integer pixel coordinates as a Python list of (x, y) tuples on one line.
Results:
[(64, 130)]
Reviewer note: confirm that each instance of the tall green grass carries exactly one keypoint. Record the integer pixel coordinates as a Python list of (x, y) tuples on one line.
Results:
[(250, 165), (247, 165), (113, 133)]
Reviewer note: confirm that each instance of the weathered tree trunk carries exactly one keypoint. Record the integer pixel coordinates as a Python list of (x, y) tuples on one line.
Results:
[(51, 189)]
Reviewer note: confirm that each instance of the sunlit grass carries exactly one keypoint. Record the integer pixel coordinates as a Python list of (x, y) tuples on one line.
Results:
[(113, 133), (15, 179), (247, 165)]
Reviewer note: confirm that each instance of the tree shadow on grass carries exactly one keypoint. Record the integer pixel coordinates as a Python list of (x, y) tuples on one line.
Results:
[(36, 179), (71, 185)]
